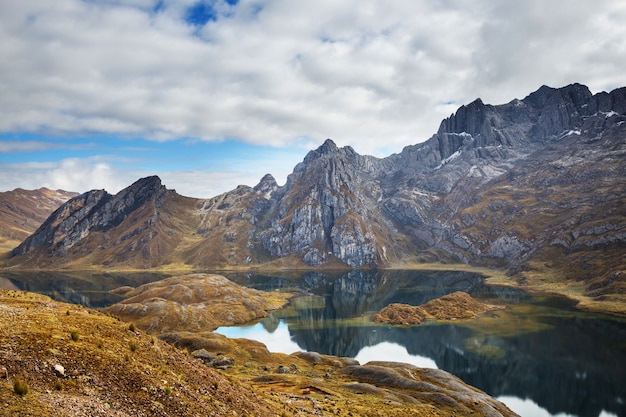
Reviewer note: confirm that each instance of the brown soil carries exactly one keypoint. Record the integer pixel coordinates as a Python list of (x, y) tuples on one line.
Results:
[(458, 305)]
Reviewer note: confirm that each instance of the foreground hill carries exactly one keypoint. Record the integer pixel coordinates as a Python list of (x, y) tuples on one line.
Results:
[(534, 186), (23, 211), (62, 360), (106, 369)]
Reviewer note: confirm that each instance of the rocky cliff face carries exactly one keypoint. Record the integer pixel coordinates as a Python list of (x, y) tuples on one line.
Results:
[(535, 181), (90, 212), (532, 182), (328, 210)]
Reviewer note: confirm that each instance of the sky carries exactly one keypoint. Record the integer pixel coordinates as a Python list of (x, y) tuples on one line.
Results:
[(211, 94)]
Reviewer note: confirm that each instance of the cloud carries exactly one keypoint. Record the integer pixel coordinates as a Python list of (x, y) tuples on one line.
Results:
[(387, 351), (15, 146), (72, 174), (26, 146), (372, 74), (201, 184), (529, 44)]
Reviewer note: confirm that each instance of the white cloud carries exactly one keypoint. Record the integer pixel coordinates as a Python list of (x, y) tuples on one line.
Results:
[(527, 407), (30, 146), (372, 74), (200, 184), (15, 146), (278, 340), (70, 174), (100, 172), (387, 351)]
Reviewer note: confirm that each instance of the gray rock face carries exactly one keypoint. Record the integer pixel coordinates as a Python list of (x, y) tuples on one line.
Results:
[(364, 210), (327, 210), (89, 212)]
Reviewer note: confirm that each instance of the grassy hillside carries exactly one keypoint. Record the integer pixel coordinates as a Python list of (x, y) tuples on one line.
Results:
[(111, 368)]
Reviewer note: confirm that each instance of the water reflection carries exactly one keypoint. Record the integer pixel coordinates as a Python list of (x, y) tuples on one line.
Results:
[(276, 340), (526, 407), (540, 349), (393, 352), (88, 288)]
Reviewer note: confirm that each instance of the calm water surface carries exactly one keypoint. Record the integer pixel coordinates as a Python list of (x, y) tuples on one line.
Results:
[(540, 355)]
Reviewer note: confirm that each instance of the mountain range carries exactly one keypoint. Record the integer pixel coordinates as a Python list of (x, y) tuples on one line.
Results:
[(535, 186)]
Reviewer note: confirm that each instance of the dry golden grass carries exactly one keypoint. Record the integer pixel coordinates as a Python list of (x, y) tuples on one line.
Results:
[(110, 370), (194, 302), (458, 305), (103, 375)]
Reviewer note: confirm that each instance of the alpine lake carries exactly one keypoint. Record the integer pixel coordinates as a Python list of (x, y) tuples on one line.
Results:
[(540, 355)]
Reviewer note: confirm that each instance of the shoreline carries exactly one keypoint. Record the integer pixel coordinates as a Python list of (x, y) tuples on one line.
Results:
[(493, 276)]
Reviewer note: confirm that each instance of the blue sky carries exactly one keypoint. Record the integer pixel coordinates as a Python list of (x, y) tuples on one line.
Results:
[(192, 167), (210, 94)]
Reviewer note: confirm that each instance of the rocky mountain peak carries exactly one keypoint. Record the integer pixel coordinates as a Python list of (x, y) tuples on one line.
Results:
[(148, 183), (142, 190), (327, 148), (467, 119), (266, 185), (520, 126), (576, 94), (325, 211)]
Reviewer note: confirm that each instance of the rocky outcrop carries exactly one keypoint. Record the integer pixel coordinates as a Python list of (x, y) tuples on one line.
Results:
[(196, 302), (327, 210), (372, 389), (89, 212), (426, 385), (136, 228)]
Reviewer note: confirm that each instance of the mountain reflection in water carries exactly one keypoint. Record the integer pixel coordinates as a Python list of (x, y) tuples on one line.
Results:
[(88, 288), (540, 351), (540, 354)]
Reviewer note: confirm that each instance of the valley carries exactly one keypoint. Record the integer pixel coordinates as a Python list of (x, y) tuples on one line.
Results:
[(534, 188), (513, 203)]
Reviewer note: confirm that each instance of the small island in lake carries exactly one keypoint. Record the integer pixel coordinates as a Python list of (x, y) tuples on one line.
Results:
[(458, 305)]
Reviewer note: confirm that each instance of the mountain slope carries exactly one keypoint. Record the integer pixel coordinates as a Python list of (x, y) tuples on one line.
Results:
[(23, 211), (328, 210), (105, 368), (533, 186), (137, 228)]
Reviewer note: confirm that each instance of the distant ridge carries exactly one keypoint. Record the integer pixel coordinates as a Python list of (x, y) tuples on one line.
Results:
[(22, 211)]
